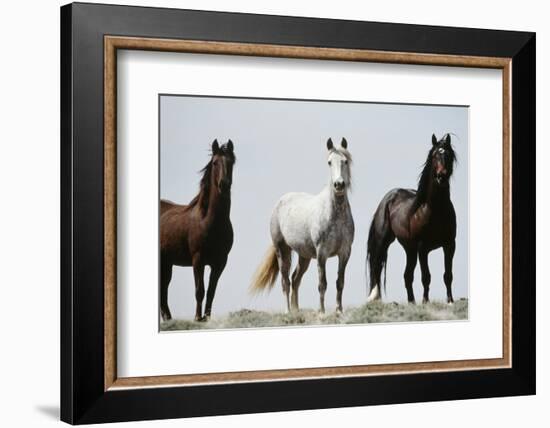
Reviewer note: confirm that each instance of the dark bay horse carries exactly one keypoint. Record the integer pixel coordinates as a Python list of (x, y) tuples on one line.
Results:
[(199, 234), (421, 220)]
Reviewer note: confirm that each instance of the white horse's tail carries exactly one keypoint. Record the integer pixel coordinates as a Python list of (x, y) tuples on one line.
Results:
[(266, 274)]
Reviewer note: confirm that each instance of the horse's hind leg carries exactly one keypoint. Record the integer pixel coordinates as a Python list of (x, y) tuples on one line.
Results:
[(297, 275), (283, 258), (165, 277), (412, 255), (449, 252), (380, 238), (377, 263), (425, 270)]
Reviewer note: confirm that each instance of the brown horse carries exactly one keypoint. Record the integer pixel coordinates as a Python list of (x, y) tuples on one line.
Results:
[(199, 234), (421, 220)]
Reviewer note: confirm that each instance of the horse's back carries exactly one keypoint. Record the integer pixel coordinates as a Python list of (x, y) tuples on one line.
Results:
[(293, 209), (395, 200), (166, 205), (398, 196)]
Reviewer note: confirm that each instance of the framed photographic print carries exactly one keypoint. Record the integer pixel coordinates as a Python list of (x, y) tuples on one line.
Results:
[(279, 213)]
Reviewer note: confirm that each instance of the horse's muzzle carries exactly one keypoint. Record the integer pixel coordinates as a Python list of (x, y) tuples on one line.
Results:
[(339, 186)]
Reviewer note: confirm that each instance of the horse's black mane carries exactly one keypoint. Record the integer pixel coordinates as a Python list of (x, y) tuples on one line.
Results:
[(426, 175), (204, 189), (203, 197)]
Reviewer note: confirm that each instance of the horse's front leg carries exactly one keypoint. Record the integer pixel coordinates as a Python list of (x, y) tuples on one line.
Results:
[(198, 272), (215, 273), (449, 252), (425, 271), (342, 263), (321, 267)]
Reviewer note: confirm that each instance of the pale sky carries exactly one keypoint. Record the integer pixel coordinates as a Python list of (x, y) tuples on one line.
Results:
[(281, 147)]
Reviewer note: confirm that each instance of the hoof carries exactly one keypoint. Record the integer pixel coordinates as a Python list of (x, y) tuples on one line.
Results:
[(451, 303), (424, 301), (201, 319), (374, 295)]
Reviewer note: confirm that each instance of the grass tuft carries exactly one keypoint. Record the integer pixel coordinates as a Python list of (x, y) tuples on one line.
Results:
[(375, 312)]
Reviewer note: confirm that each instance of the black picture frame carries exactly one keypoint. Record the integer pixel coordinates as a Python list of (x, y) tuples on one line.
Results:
[(83, 398)]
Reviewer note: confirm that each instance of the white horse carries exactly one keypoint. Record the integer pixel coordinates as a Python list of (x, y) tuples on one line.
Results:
[(314, 226)]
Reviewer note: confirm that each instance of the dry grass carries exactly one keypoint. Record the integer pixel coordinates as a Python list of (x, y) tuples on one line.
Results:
[(375, 312)]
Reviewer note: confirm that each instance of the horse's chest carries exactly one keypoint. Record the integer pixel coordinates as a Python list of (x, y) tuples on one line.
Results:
[(334, 236), (433, 228), (216, 239), (438, 233)]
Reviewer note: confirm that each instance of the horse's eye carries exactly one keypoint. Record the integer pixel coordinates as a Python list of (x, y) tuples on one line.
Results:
[(330, 163), (345, 162)]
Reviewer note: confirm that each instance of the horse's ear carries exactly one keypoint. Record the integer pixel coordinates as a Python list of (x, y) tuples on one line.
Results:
[(447, 139), (215, 147), (330, 146), (230, 145), (344, 143), (434, 140)]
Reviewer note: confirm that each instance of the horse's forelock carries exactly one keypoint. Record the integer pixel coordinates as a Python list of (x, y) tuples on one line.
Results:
[(224, 149), (342, 152), (425, 174), (448, 147)]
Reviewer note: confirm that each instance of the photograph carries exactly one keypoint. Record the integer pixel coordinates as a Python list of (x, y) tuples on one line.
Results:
[(294, 213), (281, 210)]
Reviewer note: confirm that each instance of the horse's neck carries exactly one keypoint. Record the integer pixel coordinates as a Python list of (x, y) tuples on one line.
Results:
[(434, 196), (219, 206), (335, 205)]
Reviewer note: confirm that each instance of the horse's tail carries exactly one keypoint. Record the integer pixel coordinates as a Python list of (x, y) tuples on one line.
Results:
[(380, 238), (266, 274), (376, 261)]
